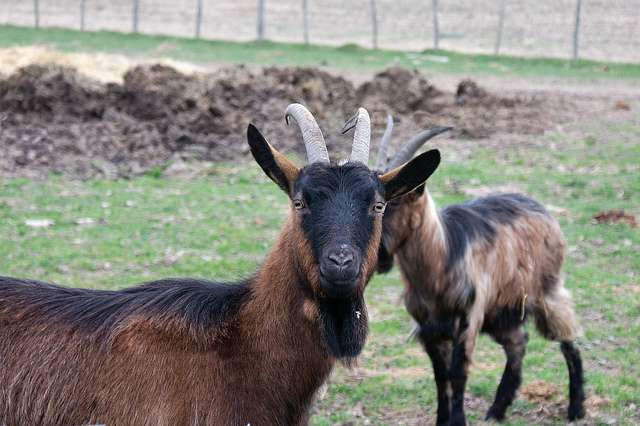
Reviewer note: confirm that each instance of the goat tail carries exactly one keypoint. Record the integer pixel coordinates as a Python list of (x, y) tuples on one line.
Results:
[(554, 315)]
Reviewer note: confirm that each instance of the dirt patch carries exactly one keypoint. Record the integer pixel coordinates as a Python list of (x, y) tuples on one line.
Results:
[(538, 391), (54, 119), (616, 216)]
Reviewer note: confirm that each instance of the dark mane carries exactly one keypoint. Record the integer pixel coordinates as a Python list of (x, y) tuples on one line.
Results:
[(186, 306)]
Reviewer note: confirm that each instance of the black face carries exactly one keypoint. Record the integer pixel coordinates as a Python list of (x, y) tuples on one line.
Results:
[(339, 206), (393, 232)]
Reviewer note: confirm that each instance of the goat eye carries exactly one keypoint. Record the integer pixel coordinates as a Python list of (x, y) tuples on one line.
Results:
[(379, 207), (298, 204)]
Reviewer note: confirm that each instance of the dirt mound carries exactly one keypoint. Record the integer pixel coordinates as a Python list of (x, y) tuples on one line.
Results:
[(53, 119), (48, 90), (401, 90)]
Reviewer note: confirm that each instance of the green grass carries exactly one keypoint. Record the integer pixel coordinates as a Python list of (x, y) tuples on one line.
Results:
[(221, 225), (349, 57)]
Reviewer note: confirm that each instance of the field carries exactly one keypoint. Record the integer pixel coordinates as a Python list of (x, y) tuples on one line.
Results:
[(567, 135)]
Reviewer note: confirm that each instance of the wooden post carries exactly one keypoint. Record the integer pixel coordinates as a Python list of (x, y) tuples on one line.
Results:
[(436, 30), (374, 23), (261, 5), (503, 6), (305, 21), (576, 30), (36, 13), (198, 18), (83, 8), (136, 10)]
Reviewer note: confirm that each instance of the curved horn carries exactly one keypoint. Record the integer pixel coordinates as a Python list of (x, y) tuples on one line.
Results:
[(410, 148), (361, 137), (384, 144), (311, 133)]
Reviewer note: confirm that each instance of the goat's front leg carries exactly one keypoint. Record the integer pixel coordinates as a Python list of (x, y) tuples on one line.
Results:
[(463, 345), (439, 353)]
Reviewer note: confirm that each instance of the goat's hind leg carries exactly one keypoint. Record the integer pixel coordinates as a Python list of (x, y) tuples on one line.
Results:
[(576, 380), (514, 343)]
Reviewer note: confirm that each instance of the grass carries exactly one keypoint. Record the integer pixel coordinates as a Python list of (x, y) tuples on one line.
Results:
[(221, 225), (350, 57)]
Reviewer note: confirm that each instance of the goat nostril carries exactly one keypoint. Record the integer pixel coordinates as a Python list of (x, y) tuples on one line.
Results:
[(341, 258)]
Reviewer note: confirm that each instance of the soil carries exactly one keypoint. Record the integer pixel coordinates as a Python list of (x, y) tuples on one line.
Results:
[(54, 119)]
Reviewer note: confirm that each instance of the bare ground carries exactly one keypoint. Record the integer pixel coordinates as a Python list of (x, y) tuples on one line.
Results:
[(55, 119)]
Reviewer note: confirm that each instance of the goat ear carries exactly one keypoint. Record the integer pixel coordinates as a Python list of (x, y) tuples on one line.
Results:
[(411, 175), (282, 171)]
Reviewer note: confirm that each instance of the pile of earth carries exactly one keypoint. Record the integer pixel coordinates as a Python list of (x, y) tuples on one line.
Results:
[(53, 119)]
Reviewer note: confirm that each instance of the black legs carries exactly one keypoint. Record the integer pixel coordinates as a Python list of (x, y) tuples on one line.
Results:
[(450, 358), (514, 345), (439, 354), (576, 380)]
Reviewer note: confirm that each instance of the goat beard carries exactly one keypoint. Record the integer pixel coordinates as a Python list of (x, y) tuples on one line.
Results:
[(345, 326)]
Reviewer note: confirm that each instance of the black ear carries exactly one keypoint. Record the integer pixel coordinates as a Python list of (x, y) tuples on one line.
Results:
[(282, 171), (409, 176)]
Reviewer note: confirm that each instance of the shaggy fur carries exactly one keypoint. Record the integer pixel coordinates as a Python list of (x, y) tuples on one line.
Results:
[(481, 266), (193, 352)]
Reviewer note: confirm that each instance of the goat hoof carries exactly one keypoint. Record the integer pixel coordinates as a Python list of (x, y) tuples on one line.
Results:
[(575, 412), (457, 421), (494, 414)]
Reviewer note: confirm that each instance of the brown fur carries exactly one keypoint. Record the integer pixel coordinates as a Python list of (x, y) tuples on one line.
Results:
[(152, 373), (498, 275), (524, 255)]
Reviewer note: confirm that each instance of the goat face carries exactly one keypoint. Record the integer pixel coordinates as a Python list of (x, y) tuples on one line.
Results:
[(335, 228), (339, 209), (402, 217)]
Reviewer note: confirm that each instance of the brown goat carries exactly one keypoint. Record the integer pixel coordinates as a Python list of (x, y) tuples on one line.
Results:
[(480, 266), (186, 351)]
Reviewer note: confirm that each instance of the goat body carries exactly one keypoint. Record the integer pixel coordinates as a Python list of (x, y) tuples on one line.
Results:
[(167, 352), (482, 266)]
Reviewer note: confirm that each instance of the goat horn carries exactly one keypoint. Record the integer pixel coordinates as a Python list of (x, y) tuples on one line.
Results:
[(384, 144), (361, 137), (311, 133), (410, 148)]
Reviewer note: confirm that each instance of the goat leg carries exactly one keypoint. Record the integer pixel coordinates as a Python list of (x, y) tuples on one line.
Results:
[(576, 380), (438, 353), (514, 344), (458, 373)]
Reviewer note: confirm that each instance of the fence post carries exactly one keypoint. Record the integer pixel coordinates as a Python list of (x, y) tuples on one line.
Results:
[(261, 19), (305, 20), (198, 18), (436, 30), (374, 23), (36, 13), (83, 8), (503, 6), (576, 30), (136, 6)]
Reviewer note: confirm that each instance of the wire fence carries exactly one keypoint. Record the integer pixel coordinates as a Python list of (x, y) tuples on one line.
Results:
[(594, 29)]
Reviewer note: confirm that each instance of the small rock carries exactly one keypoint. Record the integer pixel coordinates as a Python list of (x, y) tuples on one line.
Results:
[(85, 221), (39, 223)]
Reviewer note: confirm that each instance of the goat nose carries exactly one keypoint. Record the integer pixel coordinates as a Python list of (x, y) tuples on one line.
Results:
[(342, 256)]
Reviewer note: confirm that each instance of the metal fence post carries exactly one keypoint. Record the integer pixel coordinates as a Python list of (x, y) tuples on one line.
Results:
[(36, 13), (436, 30), (503, 6), (374, 23), (198, 18), (83, 4), (305, 20), (136, 7), (261, 19), (576, 30)]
